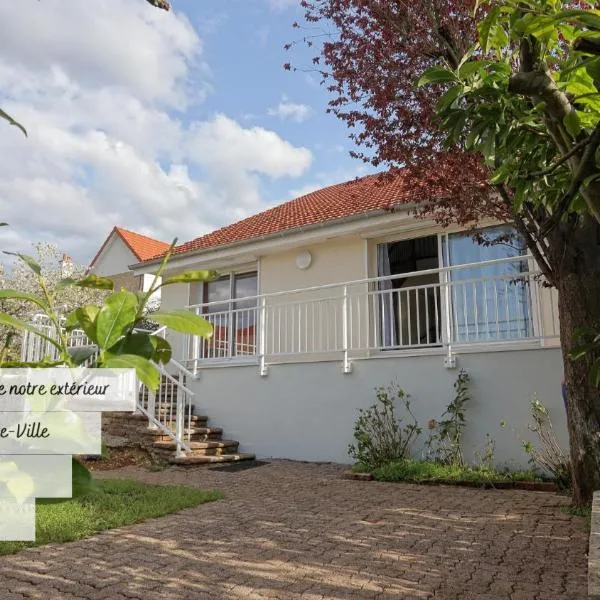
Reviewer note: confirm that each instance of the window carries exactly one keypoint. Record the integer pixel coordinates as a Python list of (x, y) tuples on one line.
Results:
[(490, 302), (409, 312), (230, 304), (420, 304)]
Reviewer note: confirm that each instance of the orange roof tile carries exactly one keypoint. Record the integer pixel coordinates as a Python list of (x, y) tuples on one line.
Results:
[(142, 246), (352, 198)]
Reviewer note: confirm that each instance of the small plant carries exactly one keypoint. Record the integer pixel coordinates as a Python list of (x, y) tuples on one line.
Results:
[(548, 455), (445, 441), (579, 511), (486, 458), (380, 435)]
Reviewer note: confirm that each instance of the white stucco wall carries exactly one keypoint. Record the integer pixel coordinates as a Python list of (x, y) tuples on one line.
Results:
[(174, 297), (115, 258), (317, 324), (334, 261), (307, 411)]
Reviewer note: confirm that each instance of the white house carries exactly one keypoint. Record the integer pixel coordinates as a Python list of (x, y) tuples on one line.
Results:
[(326, 297), (122, 248)]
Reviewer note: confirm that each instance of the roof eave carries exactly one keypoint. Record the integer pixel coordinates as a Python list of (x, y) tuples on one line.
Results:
[(276, 235)]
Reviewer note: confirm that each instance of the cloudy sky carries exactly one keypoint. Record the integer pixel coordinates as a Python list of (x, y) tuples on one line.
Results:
[(170, 124)]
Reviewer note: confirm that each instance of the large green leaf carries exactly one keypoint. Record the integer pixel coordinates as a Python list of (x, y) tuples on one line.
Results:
[(449, 97), (436, 75), (11, 321), (147, 373), (590, 18), (115, 317), (28, 260), (470, 68), (191, 277), (17, 295), (81, 354), (96, 282), (162, 349), (86, 317), (486, 26), (136, 343), (572, 124), (184, 321)]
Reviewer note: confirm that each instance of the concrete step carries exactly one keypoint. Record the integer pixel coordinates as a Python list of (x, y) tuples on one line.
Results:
[(194, 459), (195, 420), (207, 448), (196, 434), (166, 407)]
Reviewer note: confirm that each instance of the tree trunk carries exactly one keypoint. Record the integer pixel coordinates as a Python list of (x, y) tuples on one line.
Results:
[(575, 256)]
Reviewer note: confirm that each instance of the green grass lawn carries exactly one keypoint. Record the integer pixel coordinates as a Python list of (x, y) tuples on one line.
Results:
[(110, 503)]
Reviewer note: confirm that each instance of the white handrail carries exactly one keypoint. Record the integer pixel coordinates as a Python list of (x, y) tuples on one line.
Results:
[(465, 267), (35, 347)]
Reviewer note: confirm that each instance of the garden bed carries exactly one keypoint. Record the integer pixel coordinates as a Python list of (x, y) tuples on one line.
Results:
[(117, 458), (431, 473), (536, 486)]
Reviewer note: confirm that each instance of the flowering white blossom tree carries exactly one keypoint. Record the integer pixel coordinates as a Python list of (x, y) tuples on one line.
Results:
[(55, 267)]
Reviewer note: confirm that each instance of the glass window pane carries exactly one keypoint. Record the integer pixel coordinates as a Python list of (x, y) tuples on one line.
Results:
[(245, 286), (216, 291), (488, 302)]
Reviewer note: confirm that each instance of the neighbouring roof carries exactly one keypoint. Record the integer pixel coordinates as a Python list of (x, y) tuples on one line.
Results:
[(142, 246), (368, 194)]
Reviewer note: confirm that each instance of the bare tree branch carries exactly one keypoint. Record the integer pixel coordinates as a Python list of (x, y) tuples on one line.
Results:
[(160, 4)]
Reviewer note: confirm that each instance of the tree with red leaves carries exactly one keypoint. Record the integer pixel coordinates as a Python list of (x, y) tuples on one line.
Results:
[(495, 111)]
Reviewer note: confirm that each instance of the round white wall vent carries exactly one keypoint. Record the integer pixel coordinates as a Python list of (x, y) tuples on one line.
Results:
[(303, 260)]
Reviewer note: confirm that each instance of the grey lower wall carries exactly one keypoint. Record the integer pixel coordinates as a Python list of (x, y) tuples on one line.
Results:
[(306, 411)]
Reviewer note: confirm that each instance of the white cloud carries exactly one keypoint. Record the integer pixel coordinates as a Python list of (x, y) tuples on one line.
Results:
[(98, 95), (283, 4), (234, 156), (291, 110), (325, 179)]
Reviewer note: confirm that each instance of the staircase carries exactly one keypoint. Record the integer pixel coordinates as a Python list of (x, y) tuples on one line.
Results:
[(206, 444)]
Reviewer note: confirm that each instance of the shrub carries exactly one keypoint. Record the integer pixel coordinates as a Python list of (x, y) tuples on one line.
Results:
[(380, 436), (445, 440), (548, 454)]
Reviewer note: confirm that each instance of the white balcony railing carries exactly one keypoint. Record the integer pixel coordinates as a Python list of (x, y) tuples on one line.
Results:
[(496, 301)]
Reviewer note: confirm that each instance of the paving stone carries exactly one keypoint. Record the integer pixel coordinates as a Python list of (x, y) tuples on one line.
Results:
[(294, 530)]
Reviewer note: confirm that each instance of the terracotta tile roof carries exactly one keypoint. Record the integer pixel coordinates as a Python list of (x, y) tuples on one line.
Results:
[(352, 198), (142, 246)]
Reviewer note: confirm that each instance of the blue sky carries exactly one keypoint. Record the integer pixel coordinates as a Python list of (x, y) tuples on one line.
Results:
[(168, 124)]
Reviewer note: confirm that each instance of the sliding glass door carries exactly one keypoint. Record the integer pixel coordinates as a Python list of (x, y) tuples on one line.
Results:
[(426, 296), (488, 302)]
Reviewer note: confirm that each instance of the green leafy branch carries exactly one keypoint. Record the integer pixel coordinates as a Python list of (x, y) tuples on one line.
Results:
[(111, 326)]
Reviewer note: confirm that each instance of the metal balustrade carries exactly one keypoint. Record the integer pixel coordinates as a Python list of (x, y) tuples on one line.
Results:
[(496, 301)]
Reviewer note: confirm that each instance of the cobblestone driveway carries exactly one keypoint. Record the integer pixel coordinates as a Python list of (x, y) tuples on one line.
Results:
[(294, 530)]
